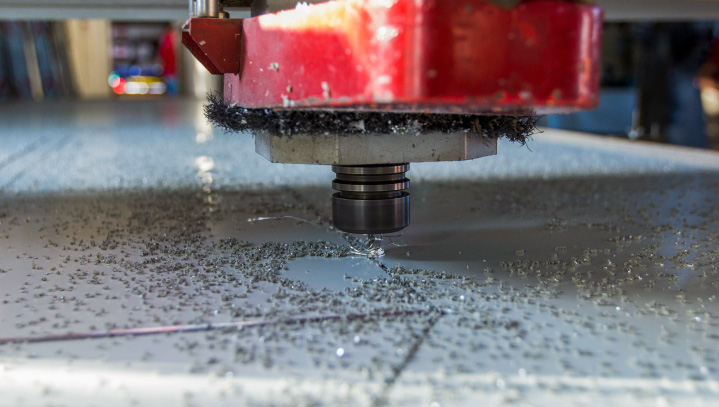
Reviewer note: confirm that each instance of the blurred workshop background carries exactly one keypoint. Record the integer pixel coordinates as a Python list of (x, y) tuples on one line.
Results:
[(660, 79), (97, 59)]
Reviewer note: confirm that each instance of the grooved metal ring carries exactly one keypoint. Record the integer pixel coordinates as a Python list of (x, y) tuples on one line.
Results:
[(383, 187), (370, 169), (370, 178)]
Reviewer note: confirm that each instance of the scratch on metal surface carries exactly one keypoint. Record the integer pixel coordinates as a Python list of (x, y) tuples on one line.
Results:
[(23, 152), (382, 399), (204, 327), (28, 150)]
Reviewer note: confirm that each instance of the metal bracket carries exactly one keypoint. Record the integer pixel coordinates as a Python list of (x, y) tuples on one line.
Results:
[(215, 43)]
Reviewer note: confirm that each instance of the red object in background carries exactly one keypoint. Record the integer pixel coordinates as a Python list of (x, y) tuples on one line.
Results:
[(119, 85), (539, 57), (166, 49)]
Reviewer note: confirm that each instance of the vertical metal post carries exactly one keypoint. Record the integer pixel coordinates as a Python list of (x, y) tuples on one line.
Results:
[(205, 8), (32, 64)]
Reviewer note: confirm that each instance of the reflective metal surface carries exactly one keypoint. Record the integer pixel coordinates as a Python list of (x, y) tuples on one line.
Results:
[(373, 148), (204, 8), (370, 216), (371, 199), (581, 272)]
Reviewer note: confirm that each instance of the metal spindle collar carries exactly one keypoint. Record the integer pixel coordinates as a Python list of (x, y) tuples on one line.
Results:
[(371, 198)]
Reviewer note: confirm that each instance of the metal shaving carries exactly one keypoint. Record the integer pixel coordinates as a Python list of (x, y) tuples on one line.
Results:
[(233, 118)]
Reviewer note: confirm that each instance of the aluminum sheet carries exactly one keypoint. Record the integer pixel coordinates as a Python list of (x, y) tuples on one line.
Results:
[(146, 259)]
